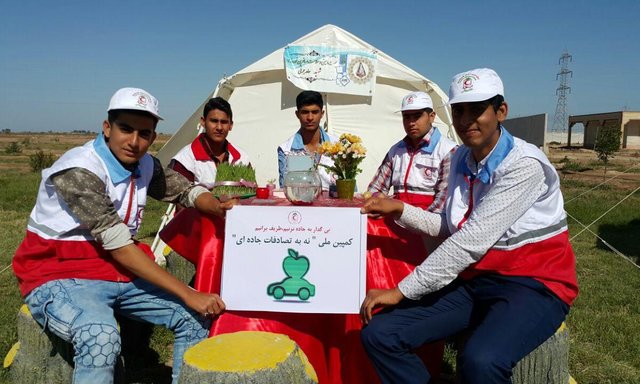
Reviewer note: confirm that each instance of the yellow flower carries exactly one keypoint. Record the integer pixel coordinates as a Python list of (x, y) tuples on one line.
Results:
[(350, 138), (346, 153), (325, 147), (358, 149)]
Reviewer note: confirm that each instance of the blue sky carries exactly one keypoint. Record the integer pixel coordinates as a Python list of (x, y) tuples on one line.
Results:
[(61, 61)]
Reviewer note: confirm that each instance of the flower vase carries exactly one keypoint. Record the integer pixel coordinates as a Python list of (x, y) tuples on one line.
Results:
[(346, 188)]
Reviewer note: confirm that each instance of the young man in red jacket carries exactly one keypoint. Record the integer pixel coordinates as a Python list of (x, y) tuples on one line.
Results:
[(506, 273), (79, 264)]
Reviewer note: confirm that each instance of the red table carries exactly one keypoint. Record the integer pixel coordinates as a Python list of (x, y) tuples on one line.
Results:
[(330, 341)]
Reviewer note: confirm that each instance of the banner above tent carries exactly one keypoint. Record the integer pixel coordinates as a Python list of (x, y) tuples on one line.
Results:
[(330, 69)]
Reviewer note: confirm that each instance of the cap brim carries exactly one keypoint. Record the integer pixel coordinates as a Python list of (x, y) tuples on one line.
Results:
[(136, 109), (471, 98), (158, 116), (415, 109)]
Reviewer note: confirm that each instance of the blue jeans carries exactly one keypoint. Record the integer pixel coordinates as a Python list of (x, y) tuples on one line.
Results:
[(81, 312), (506, 318)]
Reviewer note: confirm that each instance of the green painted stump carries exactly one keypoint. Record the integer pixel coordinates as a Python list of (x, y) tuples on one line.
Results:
[(247, 357)]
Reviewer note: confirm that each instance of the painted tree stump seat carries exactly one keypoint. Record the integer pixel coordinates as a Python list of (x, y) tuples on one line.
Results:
[(547, 364), (38, 356), (41, 357), (180, 267), (247, 357)]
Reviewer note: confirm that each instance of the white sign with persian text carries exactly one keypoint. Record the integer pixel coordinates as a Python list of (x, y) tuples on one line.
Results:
[(294, 259), (326, 69)]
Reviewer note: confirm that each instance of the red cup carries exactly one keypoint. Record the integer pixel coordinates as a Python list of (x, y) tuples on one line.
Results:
[(262, 193)]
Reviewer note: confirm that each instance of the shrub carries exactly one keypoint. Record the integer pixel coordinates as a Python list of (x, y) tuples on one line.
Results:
[(565, 160), (573, 166), (12, 148), (607, 144), (41, 160)]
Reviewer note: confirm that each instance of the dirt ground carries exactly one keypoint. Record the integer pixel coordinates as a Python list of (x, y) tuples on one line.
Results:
[(590, 170), (623, 170)]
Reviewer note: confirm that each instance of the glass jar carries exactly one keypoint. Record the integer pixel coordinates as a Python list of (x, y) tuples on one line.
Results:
[(302, 187)]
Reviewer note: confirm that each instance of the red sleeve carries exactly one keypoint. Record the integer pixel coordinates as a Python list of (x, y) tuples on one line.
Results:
[(178, 167)]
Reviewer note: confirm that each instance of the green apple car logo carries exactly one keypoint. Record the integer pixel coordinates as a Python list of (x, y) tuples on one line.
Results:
[(295, 266)]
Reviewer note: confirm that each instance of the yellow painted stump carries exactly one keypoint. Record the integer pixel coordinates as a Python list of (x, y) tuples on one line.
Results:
[(180, 267), (39, 357), (247, 357), (547, 364)]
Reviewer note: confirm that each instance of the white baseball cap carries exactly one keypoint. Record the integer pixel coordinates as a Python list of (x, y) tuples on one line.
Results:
[(415, 101), (134, 98), (475, 85)]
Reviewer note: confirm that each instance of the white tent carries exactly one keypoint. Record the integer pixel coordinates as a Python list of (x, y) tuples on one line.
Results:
[(263, 103)]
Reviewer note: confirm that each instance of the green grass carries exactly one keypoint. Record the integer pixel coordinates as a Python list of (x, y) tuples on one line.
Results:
[(574, 166), (604, 322), (17, 196), (234, 172), (605, 319)]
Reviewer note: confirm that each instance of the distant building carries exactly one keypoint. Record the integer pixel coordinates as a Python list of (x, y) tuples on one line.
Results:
[(529, 128), (627, 121)]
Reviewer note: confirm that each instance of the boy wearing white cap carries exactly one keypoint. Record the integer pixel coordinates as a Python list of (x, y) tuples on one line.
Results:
[(416, 166), (505, 274), (79, 264)]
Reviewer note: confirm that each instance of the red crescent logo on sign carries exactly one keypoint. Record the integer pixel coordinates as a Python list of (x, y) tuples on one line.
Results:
[(295, 217)]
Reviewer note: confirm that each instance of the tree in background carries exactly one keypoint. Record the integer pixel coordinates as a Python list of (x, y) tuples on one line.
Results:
[(12, 149), (607, 143), (40, 160)]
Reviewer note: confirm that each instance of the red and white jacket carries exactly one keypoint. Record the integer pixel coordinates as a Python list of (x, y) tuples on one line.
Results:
[(413, 174), (197, 160), (537, 244), (57, 245)]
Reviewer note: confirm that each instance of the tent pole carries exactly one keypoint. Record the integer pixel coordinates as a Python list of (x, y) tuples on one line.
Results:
[(326, 113)]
